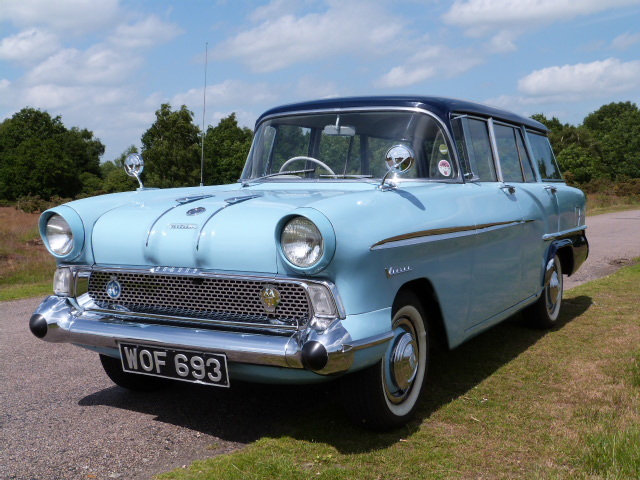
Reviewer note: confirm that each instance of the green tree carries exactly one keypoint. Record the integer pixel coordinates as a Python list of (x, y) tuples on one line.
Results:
[(171, 149), (40, 156), (226, 148), (616, 126), (577, 150)]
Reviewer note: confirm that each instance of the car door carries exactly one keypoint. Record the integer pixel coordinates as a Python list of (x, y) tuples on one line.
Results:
[(535, 202), (564, 206), (499, 227)]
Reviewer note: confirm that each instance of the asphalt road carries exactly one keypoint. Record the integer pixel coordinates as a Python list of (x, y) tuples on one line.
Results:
[(62, 418)]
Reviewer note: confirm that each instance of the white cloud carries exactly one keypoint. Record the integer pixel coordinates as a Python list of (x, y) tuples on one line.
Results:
[(244, 118), (52, 96), (481, 17), (345, 28), (582, 80), (144, 34), (229, 92), (71, 16), (276, 9), (28, 46), (98, 65), (626, 40), (431, 61), (308, 87)]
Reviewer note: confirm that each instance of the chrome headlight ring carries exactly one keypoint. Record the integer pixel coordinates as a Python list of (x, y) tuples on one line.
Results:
[(62, 231), (306, 241)]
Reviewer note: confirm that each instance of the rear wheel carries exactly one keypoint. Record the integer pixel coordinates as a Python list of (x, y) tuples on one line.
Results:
[(545, 312), (130, 381), (385, 395)]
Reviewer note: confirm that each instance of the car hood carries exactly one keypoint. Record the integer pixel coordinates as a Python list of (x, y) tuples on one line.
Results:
[(229, 230)]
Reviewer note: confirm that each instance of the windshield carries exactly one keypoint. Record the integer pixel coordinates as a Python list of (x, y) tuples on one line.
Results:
[(347, 145)]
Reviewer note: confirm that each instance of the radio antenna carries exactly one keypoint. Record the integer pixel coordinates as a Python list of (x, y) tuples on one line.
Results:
[(204, 109)]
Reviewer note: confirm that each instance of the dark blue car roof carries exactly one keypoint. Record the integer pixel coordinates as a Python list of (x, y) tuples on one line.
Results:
[(443, 107)]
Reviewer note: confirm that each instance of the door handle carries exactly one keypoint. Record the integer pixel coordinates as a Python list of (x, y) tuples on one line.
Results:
[(508, 188), (551, 188)]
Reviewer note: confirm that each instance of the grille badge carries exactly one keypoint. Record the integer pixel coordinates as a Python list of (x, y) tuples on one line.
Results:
[(270, 297), (114, 289)]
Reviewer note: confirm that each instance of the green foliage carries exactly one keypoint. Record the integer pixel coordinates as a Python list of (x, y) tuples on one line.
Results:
[(617, 128), (605, 146), (171, 149), (226, 148), (36, 204), (40, 156)]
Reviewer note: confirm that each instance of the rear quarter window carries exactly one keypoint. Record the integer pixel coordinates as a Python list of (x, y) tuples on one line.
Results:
[(543, 157)]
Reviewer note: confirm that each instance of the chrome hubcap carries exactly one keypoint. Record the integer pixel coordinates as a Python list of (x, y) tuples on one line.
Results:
[(404, 361), (553, 290)]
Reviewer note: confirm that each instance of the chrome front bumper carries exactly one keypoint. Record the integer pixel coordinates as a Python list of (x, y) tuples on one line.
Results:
[(326, 352)]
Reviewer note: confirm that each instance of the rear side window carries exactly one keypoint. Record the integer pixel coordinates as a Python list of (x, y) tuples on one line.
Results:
[(508, 153), (474, 147), (543, 157)]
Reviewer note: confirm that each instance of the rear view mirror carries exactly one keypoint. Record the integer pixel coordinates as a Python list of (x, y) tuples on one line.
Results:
[(339, 131)]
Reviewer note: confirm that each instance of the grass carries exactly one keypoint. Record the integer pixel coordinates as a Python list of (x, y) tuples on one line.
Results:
[(598, 203), (26, 268), (511, 403)]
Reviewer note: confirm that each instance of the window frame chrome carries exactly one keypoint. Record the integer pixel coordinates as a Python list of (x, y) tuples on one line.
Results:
[(339, 110)]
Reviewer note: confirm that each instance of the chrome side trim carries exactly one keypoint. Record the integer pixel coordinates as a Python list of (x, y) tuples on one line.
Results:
[(438, 234), (553, 236), (369, 342)]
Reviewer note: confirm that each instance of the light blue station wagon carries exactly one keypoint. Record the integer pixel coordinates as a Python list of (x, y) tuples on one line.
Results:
[(363, 230)]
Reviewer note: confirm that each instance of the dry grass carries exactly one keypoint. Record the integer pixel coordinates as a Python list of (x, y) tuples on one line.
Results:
[(598, 203), (26, 268)]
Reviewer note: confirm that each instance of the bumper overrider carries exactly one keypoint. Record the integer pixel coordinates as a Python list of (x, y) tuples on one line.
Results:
[(320, 344)]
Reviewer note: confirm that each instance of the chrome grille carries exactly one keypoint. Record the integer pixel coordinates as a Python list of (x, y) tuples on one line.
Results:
[(233, 300)]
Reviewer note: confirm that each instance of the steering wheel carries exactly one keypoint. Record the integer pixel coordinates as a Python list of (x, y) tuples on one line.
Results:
[(310, 159)]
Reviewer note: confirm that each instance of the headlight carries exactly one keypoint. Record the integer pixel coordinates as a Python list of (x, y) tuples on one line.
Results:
[(302, 242), (59, 235)]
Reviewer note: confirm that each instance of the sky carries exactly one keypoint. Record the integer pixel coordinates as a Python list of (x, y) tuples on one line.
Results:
[(108, 65)]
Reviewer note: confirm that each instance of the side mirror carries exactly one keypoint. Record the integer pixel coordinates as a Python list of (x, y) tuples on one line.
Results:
[(134, 165), (399, 159)]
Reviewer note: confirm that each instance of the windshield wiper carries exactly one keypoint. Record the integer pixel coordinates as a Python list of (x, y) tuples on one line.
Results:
[(348, 175), (275, 174)]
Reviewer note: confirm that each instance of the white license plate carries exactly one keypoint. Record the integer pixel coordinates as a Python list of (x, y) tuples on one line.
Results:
[(184, 365)]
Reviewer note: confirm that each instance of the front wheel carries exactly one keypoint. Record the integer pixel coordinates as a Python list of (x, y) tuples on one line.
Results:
[(130, 381), (545, 311), (385, 395)]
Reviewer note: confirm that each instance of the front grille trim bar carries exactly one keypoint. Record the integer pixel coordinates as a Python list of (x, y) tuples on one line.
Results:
[(261, 322)]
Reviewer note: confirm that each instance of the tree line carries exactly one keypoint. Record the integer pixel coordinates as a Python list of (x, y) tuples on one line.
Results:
[(41, 158), (601, 153)]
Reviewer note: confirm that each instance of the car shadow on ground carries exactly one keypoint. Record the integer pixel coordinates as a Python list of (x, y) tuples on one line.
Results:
[(247, 412)]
